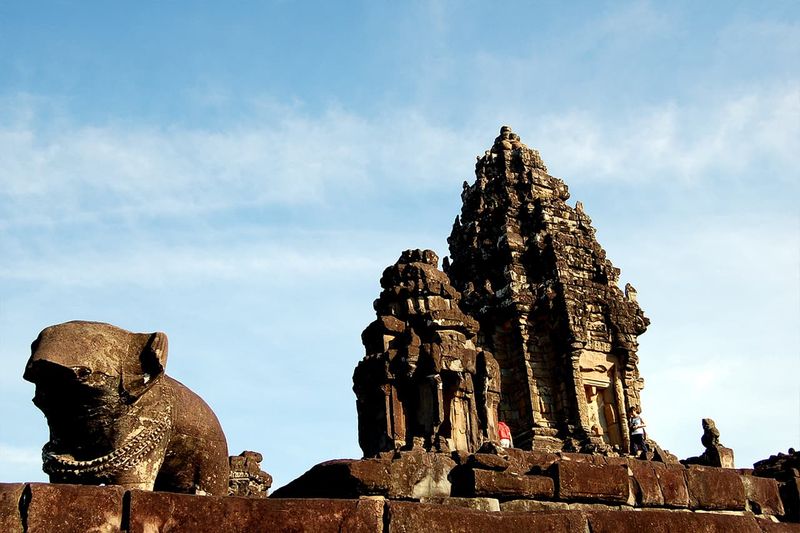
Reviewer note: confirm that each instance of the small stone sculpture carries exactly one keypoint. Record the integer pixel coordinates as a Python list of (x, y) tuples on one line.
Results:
[(715, 454), (710, 436), (247, 478), (116, 418)]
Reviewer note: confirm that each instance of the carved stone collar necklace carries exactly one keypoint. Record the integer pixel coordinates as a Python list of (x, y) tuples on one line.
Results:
[(133, 451)]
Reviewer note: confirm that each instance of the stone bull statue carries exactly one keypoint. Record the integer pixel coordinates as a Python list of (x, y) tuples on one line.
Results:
[(116, 418)]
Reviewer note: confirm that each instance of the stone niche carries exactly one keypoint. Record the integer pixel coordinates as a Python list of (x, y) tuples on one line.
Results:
[(532, 273), (423, 382), (603, 406)]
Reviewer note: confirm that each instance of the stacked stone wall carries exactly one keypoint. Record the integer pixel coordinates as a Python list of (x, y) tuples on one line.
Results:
[(599, 504), (518, 480)]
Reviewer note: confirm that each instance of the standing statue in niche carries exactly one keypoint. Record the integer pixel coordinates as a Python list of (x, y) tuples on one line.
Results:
[(116, 418)]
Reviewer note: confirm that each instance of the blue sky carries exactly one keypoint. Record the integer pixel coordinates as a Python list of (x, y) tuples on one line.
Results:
[(239, 175)]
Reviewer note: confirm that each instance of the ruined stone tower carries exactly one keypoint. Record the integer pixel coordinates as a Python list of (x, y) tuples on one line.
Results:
[(531, 272), (423, 382)]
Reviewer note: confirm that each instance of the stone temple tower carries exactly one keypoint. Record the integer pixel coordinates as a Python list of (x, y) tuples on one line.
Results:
[(423, 382), (531, 272)]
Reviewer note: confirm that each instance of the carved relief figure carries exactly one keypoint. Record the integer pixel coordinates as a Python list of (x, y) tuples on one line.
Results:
[(116, 418)]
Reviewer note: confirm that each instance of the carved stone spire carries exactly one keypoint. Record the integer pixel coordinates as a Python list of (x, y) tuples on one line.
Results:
[(531, 271)]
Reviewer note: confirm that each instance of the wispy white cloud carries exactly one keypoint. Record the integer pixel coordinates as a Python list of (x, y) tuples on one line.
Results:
[(153, 264), (159, 170), (757, 43), (632, 22), (92, 172), (86, 172), (690, 144)]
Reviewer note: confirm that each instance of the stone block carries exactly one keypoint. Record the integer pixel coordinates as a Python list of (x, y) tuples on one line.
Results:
[(165, 512), (790, 495), (762, 495), (74, 508), (533, 505), (663, 521), (620, 460), (530, 462), (459, 456), (409, 475), (487, 461), (715, 489), (419, 474), (10, 496), (597, 507), (408, 517), (720, 456), (672, 482), (645, 484), (767, 526), (601, 483), (365, 477), (477, 504), (340, 478), (502, 485), (585, 458)]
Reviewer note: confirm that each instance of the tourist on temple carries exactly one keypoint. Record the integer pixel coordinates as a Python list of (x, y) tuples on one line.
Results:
[(636, 425), (504, 432)]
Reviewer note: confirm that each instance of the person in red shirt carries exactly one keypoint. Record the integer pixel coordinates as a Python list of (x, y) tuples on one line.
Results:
[(504, 432)]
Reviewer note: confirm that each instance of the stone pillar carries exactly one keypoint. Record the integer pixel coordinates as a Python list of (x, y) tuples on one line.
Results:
[(582, 412), (624, 431)]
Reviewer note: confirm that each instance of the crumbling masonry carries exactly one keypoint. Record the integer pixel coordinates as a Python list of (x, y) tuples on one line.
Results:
[(423, 383)]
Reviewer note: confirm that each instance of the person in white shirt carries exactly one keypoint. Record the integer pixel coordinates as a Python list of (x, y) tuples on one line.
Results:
[(636, 425)]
